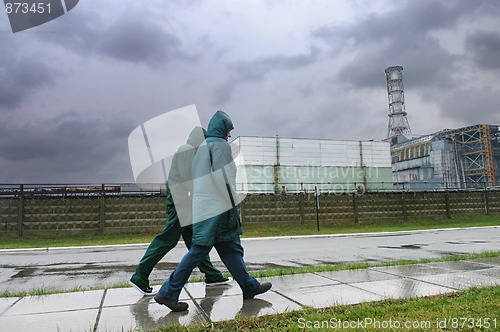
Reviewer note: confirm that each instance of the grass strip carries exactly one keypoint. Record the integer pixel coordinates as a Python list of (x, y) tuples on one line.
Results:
[(331, 227), (256, 230)]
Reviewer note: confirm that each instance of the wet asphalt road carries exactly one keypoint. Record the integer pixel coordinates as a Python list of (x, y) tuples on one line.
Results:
[(67, 268)]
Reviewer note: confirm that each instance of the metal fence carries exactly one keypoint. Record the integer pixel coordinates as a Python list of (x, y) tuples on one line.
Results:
[(67, 190), (155, 189)]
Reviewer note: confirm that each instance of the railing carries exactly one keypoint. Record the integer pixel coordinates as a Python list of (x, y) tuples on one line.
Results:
[(66, 190), (121, 189)]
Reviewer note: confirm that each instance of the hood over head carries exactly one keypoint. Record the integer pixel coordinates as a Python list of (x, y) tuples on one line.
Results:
[(219, 125), (197, 136)]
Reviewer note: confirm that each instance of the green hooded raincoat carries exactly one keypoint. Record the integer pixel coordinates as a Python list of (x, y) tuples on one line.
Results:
[(215, 217)]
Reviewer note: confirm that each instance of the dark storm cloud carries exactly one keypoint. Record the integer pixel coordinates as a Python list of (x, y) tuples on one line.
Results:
[(434, 66), (83, 32), (132, 37), (484, 47), (61, 147), (472, 106), (77, 31), (415, 19), (400, 37), (20, 78), (258, 69), (139, 42)]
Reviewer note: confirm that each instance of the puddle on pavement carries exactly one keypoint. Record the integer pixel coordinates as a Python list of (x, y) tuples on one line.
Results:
[(323, 262), (406, 246), (269, 266), (25, 273), (163, 266)]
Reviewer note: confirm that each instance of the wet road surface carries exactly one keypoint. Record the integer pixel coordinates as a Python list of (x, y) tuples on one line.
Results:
[(68, 268)]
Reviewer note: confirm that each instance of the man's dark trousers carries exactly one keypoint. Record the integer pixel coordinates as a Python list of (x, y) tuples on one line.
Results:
[(166, 241)]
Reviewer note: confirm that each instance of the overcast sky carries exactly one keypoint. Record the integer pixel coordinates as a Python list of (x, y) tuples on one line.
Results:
[(72, 90)]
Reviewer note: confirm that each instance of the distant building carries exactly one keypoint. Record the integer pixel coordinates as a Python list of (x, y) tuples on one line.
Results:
[(291, 165), (467, 157)]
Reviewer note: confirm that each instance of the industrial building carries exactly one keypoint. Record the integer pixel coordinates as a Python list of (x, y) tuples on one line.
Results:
[(467, 157), (291, 165), (462, 158)]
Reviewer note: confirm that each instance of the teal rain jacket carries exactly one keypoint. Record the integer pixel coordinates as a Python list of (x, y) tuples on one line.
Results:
[(215, 217)]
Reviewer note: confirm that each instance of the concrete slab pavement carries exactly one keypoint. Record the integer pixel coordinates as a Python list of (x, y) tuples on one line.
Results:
[(125, 309)]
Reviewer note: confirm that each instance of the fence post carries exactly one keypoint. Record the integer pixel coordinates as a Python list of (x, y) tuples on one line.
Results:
[(20, 211), (447, 203), (102, 209), (242, 211), (301, 208), (403, 206), (355, 207), (316, 201), (486, 202)]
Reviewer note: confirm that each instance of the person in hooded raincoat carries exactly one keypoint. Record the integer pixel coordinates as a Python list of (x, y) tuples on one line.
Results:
[(216, 222), (179, 205)]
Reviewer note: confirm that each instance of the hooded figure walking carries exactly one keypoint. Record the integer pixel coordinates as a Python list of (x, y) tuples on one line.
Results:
[(216, 221), (179, 205)]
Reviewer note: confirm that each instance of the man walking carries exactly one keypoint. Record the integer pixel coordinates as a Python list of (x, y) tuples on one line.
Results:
[(178, 204), (215, 218)]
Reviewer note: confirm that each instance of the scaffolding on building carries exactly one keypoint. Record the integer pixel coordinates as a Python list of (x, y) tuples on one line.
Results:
[(474, 155)]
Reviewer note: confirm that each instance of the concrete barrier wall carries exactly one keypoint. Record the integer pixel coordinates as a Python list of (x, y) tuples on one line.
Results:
[(81, 214), (43, 215)]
